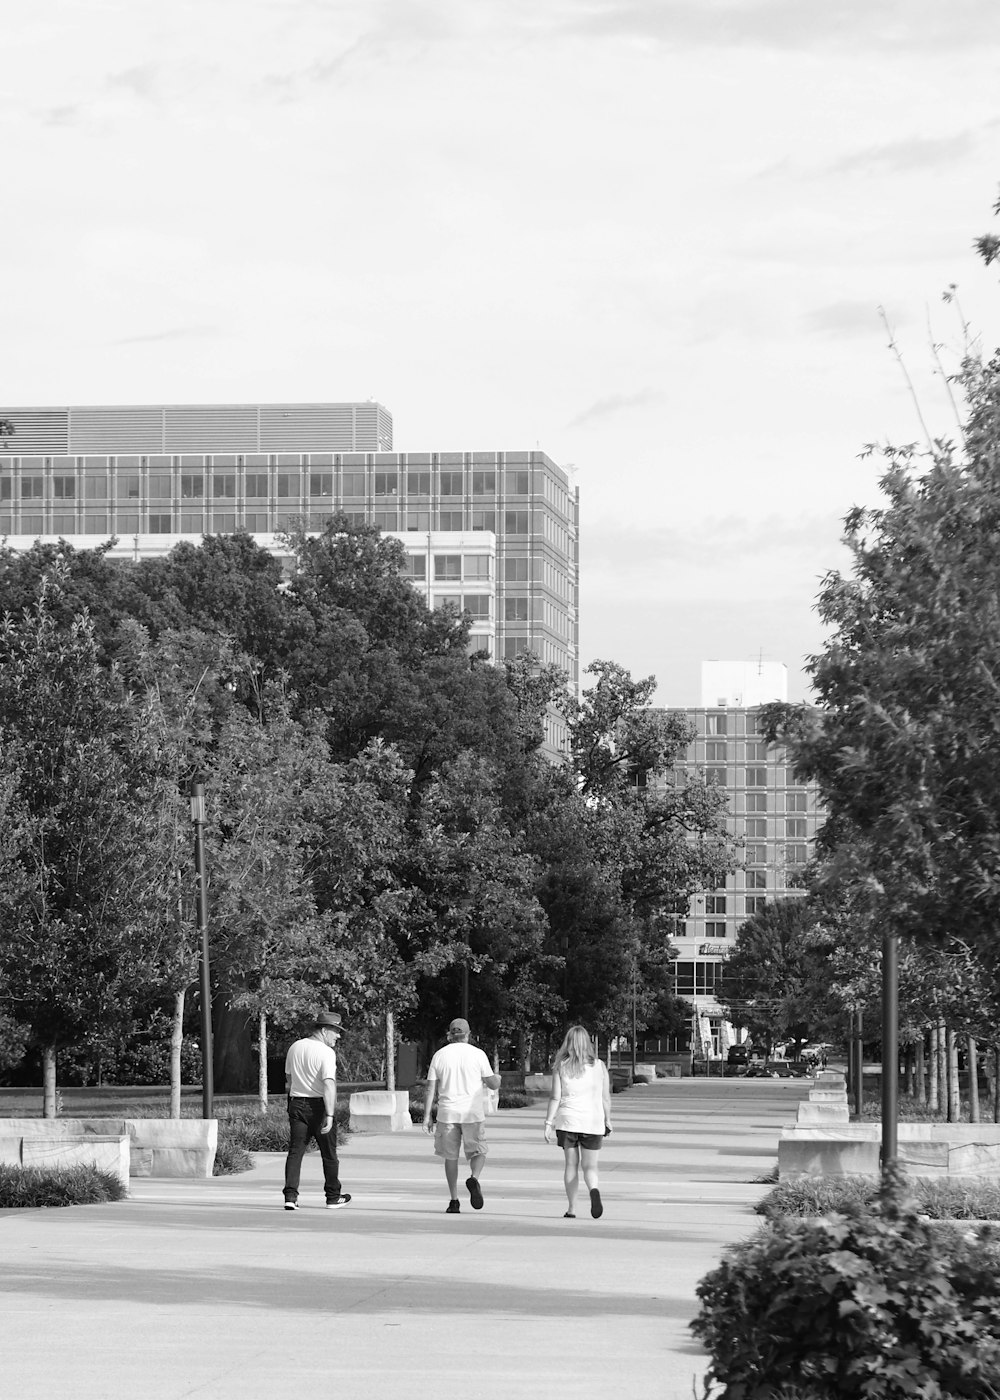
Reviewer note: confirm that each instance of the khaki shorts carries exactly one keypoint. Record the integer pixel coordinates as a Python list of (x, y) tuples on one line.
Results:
[(449, 1137)]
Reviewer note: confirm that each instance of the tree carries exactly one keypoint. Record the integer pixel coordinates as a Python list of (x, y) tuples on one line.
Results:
[(621, 843), (81, 903), (904, 740), (267, 937), (764, 980)]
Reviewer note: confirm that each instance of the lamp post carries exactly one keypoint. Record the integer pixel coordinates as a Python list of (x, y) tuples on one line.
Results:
[(207, 1066), (634, 960), (890, 1047)]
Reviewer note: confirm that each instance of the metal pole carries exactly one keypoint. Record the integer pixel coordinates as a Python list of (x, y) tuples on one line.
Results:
[(890, 1046), (633, 1020), (465, 987), (207, 1065), (858, 1060)]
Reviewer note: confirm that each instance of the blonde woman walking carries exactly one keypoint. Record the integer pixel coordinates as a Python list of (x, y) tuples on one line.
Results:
[(579, 1112)]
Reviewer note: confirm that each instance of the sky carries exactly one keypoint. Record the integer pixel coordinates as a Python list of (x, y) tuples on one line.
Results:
[(650, 237)]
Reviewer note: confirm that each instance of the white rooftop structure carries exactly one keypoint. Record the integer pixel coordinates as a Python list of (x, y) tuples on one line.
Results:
[(743, 684)]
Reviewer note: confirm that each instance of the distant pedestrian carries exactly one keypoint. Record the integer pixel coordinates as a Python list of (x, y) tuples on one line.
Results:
[(459, 1073), (579, 1110), (311, 1086)]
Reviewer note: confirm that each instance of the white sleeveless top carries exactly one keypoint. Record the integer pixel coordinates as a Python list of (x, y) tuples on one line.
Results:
[(581, 1101)]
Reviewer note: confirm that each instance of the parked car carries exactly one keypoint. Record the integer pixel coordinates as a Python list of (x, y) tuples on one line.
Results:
[(778, 1069), (738, 1055)]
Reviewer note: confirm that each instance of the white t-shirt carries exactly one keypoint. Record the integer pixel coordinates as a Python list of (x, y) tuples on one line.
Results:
[(307, 1064), (459, 1069), (581, 1100)]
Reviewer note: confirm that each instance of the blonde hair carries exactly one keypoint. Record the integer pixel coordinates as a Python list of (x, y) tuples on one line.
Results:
[(575, 1053)]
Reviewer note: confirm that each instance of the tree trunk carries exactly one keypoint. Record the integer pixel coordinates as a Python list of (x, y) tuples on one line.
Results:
[(390, 1051), (176, 1042), (49, 1082), (954, 1100), (973, 1080), (262, 1062), (932, 1078), (942, 1059), (996, 1084), (920, 1078)]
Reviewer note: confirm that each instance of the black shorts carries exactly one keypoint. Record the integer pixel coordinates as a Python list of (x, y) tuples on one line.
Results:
[(591, 1141)]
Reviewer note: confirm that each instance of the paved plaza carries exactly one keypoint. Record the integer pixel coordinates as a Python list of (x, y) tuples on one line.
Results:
[(210, 1289)]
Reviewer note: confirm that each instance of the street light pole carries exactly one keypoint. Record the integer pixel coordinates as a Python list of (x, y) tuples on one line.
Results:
[(633, 1018), (207, 1066), (890, 1047)]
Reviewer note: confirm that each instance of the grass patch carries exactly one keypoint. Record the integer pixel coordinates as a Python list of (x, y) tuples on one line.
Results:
[(59, 1186), (912, 1110), (939, 1199)]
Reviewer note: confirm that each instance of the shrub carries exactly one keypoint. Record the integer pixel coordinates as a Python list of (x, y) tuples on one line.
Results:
[(230, 1157), (242, 1133), (940, 1199), (515, 1098), (58, 1186), (867, 1302), (255, 1132)]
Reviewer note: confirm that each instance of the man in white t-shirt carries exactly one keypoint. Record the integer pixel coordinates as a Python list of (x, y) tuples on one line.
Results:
[(311, 1086), (459, 1074)]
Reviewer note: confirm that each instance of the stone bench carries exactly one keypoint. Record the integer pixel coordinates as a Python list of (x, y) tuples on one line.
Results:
[(157, 1146), (381, 1111), (827, 1101), (923, 1149), (104, 1152)]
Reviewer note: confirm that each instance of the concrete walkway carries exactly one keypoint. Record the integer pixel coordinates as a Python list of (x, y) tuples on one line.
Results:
[(211, 1289)]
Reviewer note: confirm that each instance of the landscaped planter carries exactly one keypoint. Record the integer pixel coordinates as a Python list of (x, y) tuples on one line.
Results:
[(157, 1146), (923, 1149)]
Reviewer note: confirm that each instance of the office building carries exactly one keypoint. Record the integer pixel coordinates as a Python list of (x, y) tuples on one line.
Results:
[(494, 533), (773, 816)]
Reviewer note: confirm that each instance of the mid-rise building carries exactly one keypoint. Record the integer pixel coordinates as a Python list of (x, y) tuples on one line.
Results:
[(491, 532), (772, 815)]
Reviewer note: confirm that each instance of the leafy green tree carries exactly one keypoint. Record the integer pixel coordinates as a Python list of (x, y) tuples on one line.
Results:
[(474, 905), (903, 739), (84, 888), (764, 980), (620, 842), (267, 938)]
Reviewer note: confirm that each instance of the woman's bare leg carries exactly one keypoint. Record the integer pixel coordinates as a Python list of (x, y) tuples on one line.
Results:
[(571, 1175)]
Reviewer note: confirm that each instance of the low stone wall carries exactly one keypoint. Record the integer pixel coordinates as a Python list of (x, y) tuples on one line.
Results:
[(157, 1146), (924, 1149), (381, 1111), (106, 1153)]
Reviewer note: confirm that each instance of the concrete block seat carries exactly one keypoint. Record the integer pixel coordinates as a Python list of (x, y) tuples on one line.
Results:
[(157, 1146), (924, 1149), (381, 1111), (105, 1152)]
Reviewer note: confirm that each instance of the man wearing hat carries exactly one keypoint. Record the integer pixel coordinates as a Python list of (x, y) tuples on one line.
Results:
[(458, 1074), (311, 1086)]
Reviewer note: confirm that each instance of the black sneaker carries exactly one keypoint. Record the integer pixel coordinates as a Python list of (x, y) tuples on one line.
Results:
[(596, 1208), (454, 1208), (475, 1193), (340, 1201)]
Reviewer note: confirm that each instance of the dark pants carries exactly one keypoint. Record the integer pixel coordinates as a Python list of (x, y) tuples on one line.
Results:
[(304, 1119)]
